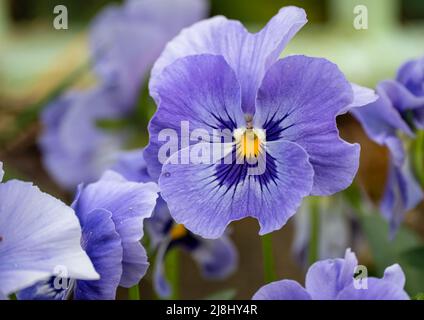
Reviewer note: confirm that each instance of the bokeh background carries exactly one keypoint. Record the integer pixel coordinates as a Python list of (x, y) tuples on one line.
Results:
[(37, 61)]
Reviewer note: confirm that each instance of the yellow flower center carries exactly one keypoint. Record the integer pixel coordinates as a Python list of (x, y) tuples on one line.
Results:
[(249, 142)]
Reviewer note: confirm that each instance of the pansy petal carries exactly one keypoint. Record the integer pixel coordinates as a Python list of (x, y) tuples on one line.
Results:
[(130, 203), (38, 234), (282, 290), (51, 289), (361, 97), (402, 194), (103, 245), (325, 279), (378, 289), (216, 258), (401, 97), (135, 264), (200, 91), (132, 166), (249, 55), (411, 75), (298, 101), (216, 194)]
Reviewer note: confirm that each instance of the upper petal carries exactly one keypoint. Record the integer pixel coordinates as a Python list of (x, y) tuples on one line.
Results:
[(104, 247), (249, 55), (282, 290), (216, 193), (201, 92), (298, 101), (38, 234), (395, 274)]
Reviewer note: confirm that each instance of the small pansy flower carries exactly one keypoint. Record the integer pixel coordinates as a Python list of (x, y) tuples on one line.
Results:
[(337, 279), (217, 76), (217, 258), (40, 237), (397, 113), (111, 213)]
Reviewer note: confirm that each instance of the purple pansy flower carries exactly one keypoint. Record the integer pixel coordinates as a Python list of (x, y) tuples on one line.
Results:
[(125, 41), (39, 237), (398, 110), (337, 279), (217, 259), (111, 212), (74, 148), (217, 76)]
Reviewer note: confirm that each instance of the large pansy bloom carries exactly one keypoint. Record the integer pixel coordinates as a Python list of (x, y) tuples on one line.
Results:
[(217, 76), (338, 279), (217, 258), (111, 212), (39, 238), (398, 111)]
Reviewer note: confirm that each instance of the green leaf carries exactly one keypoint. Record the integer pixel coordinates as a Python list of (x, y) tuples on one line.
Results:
[(419, 296), (414, 257), (387, 252), (228, 294)]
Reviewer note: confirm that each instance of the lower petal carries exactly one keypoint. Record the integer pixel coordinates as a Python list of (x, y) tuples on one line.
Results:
[(282, 290)]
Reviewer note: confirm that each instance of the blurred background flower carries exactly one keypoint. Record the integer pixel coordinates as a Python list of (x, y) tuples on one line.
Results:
[(99, 63)]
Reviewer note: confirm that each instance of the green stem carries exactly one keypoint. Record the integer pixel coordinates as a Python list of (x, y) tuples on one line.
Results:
[(134, 293), (313, 253), (173, 271), (268, 258), (419, 157)]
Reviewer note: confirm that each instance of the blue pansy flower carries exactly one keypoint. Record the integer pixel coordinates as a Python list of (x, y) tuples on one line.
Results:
[(125, 41), (111, 213), (337, 279), (217, 76), (217, 258), (396, 114), (39, 238)]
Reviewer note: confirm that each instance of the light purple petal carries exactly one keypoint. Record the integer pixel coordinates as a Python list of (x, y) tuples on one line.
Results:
[(132, 166), (202, 90), (216, 194), (401, 98), (249, 55), (298, 101), (402, 194), (130, 203), (103, 245), (411, 75), (361, 97), (325, 279), (378, 289), (282, 290), (216, 258), (38, 234), (135, 264)]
